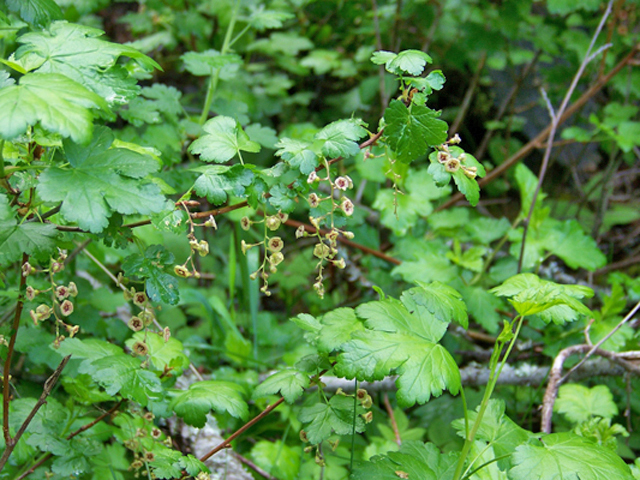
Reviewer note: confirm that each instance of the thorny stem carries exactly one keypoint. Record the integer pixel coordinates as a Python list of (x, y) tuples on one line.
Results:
[(46, 391), (10, 444)]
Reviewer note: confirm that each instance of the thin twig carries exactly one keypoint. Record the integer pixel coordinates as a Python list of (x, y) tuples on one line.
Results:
[(69, 437), (46, 391), (555, 121), (226, 443), (371, 251), (627, 262), (254, 467), (556, 379), (603, 339), (534, 143), (479, 153), (241, 430), (468, 96), (381, 71), (392, 418)]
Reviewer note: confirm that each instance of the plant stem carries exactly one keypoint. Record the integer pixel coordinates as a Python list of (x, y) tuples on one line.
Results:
[(9, 444), (213, 80), (493, 380), (2, 172)]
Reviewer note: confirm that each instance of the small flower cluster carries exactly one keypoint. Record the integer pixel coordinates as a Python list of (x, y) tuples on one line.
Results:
[(365, 401), (61, 305), (340, 184), (326, 250), (454, 161), (143, 444), (201, 247), (145, 317), (273, 247)]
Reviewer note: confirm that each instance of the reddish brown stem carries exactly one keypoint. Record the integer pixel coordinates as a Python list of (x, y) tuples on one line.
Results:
[(46, 391), (542, 136), (251, 423), (7, 363), (392, 418), (242, 429), (376, 253), (69, 437)]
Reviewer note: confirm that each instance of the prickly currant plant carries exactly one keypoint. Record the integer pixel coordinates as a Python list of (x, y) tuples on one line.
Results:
[(247, 239)]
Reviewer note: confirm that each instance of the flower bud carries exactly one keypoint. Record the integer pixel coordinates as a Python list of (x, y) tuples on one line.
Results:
[(203, 248), (314, 200), (140, 299), (211, 222), (147, 317), (300, 231), (276, 258), (135, 323), (73, 330), (181, 271), (140, 349), (66, 308), (31, 293), (273, 222), (321, 250), (73, 289), (27, 269), (275, 244)]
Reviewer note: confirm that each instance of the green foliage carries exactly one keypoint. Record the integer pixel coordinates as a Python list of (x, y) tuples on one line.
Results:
[(51, 100), (31, 238), (75, 52), (38, 12), (223, 141), (160, 285), (566, 454), (550, 301), (411, 130), (407, 61), (579, 403), (414, 460), (194, 404), (289, 383), (101, 180), (185, 183)]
